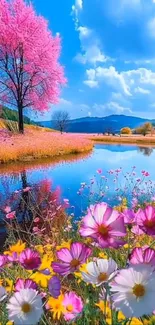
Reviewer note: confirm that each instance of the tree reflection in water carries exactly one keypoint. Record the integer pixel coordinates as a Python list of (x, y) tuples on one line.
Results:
[(38, 209), (147, 151)]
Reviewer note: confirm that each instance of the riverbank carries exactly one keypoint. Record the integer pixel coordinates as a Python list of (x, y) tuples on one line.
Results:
[(127, 139), (38, 143), (35, 145)]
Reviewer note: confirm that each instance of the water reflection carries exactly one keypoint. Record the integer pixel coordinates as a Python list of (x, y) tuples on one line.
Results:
[(69, 172), (30, 203), (146, 151)]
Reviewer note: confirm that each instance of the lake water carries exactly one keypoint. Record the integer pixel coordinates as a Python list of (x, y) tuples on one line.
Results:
[(70, 172)]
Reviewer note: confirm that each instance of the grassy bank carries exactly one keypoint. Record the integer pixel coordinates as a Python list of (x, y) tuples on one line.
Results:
[(141, 140), (39, 143), (34, 145)]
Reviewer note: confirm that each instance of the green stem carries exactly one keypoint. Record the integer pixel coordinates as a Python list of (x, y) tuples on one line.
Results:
[(152, 244)]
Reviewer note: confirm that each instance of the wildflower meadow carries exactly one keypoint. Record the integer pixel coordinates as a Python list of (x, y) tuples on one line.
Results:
[(99, 269)]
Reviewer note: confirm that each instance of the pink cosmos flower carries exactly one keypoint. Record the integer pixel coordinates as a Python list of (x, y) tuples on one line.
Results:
[(36, 220), (142, 255), (104, 225), (25, 284), (29, 259), (27, 189), (71, 258), (145, 219), (129, 216), (7, 209), (73, 306), (11, 215), (3, 260), (13, 258), (99, 171)]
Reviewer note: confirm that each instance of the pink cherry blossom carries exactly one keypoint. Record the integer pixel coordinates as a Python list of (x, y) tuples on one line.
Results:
[(30, 47)]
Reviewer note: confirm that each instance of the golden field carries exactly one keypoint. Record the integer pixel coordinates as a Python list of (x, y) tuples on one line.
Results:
[(38, 142)]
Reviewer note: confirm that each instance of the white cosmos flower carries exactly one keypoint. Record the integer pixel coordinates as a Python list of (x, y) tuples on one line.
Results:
[(134, 291), (102, 270), (3, 293), (25, 307)]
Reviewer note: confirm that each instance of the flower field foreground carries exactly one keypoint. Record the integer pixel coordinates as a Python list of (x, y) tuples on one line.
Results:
[(36, 144), (99, 270)]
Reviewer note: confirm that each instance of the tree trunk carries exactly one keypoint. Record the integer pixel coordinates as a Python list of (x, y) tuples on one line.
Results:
[(20, 119)]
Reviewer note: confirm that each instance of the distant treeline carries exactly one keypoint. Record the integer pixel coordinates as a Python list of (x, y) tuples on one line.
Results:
[(12, 115)]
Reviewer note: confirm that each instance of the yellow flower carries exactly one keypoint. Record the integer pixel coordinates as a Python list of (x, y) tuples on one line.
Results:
[(17, 248), (101, 305), (40, 278), (9, 322), (126, 246), (46, 263), (103, 255), (39, 248), (64, 244), (121, 317), (56, 306), (82, 268), (9, 285), (1, 282), (135, 321)]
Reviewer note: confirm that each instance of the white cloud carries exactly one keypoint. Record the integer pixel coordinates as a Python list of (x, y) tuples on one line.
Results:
[(90, 47), (91, 83), (77, 6), (125, 82), (92, 55), (142, 90), (64, 102), (151, 27), (91, 75), (84, 32), (91, 51), (111, 107)]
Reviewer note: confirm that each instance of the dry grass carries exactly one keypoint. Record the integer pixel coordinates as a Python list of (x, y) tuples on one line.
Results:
[(38, 143), (129, 139), (33, 145)]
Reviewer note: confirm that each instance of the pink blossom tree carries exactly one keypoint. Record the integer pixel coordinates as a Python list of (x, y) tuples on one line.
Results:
[(30, 74)]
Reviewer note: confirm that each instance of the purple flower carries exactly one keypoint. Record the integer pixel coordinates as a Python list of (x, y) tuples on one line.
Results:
[(71, 258), (13, 258), (30, 259), (129, 216), (54, 287), (3, 260), (104, 225), (25, 284)]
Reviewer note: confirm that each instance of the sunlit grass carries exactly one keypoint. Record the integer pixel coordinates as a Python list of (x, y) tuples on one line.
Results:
[(33, 145)]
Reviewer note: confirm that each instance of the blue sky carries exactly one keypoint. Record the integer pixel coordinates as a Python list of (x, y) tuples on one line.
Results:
[(108, 52)]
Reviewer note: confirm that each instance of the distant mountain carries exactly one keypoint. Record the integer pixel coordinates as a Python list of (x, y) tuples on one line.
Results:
[(112, 124)]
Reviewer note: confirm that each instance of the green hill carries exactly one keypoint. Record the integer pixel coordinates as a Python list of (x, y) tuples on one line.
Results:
[(12, 115)]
